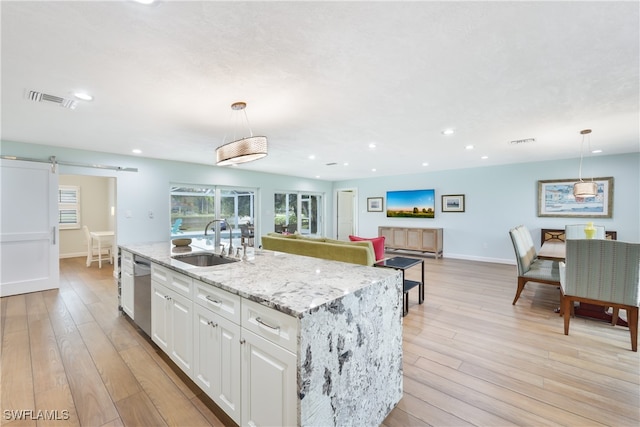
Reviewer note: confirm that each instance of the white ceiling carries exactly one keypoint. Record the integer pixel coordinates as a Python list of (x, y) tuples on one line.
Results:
[(327, 79)]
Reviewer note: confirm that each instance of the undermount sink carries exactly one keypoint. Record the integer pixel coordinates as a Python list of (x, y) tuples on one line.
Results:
[(204, 259)]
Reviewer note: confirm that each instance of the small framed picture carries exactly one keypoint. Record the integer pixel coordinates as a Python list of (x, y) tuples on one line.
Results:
[(453, 203), (374, 204)]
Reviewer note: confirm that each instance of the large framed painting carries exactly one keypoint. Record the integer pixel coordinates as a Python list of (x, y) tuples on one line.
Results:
[(556, 199), (411, 204)]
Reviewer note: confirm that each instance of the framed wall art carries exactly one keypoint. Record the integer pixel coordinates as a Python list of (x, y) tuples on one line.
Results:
[(556, 199), (374, 204), (453, 203), (411, 204)]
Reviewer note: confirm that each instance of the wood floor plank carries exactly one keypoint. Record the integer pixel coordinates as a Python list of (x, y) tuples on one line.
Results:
[(138, 410), (17, 381), (93, 402), (59, 402), (115, 374), (171, 403)]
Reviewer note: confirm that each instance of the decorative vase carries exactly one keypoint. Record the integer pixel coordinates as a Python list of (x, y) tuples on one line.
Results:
[(589, 230)]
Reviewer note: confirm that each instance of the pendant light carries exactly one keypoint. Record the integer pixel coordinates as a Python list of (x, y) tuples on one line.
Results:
[(241, 150), (582, 189)]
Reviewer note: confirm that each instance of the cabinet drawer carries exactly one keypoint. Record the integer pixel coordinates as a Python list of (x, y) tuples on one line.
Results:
[(270, 324), (217, 300), (173, 280), (126, 258)]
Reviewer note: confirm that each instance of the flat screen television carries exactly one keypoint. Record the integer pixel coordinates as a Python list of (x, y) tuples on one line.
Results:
[(411, 204)]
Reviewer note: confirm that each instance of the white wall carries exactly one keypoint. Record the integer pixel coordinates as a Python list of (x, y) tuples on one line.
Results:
[(500, 197), (147, 190), (497, 198)]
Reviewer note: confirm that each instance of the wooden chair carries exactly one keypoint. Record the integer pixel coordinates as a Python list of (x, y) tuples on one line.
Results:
[(602, 272), (530, 267), (92, 248)]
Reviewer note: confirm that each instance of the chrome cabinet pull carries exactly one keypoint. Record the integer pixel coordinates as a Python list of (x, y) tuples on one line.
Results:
[(213, 300), (212, 323), (242, 341), (275, 328)]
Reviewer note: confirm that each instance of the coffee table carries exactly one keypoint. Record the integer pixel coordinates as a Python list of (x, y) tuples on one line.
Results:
[(403, 264)]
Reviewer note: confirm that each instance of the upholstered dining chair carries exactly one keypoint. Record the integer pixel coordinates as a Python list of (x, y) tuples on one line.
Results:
[(530, 267), (602, 272), (576, 231)]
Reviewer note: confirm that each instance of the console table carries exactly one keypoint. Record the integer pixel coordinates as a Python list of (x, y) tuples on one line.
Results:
[(413, 239), (402, 264)]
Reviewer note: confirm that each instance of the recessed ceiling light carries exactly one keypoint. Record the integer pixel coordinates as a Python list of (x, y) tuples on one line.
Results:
[(484, 157), (312, 156), (345, 164), (373, 170), (83, 96), (372, 145), (596, 151), (448, 132), (136, 151), (317, 176), (468, 147), (145, 1), (425, 164)]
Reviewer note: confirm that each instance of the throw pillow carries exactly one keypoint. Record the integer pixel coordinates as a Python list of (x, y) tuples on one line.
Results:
[(377, 242)]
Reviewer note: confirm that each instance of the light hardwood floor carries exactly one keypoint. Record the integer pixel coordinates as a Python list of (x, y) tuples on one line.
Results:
[(470, 358)]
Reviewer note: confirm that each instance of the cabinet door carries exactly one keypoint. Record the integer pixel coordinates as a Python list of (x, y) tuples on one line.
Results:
[(398, 237), (268, 383), (216, 361), (126, 292), (414, 239), (429, 240), (159, 317), (181, 331), (387, 233)]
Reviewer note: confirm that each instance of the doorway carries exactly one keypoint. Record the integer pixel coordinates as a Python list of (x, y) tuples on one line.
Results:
[(346, 208)]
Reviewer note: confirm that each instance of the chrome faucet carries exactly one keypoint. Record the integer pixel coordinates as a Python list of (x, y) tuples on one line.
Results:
[(230, 251), (206, 227)]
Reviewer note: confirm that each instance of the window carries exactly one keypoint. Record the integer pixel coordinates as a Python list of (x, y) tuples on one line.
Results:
[(298, 212), (68, 207), (195, 206)]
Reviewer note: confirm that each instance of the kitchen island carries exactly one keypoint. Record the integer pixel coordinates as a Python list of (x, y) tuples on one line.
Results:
[(346, 333)]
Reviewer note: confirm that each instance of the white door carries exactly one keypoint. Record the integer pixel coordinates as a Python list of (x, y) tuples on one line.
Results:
[(346, 209), (28, 228)]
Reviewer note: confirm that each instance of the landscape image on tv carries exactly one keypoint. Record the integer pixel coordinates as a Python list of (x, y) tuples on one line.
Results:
[(411, 204)]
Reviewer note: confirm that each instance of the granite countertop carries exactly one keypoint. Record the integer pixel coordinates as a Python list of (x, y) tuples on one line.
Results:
[(293, 284)]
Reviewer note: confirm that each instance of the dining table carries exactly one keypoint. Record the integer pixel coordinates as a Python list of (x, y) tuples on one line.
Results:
[(103, 237), (556, 251)]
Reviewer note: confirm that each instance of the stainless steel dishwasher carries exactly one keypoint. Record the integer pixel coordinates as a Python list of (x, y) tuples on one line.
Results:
[(142, 293)]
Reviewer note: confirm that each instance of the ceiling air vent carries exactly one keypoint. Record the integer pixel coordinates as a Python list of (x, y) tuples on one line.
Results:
[(522, 141), (43, 97)]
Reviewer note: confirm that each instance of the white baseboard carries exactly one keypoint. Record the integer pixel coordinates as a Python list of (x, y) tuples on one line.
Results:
[(73, 255)]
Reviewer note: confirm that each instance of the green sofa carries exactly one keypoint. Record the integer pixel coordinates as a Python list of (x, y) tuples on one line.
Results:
[(336, 250)]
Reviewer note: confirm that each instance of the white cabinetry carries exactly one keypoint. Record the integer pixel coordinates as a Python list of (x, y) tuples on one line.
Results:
[(268, 369), (216, 362), (172, 317), (413, 239), (241, 353), (126, 283)]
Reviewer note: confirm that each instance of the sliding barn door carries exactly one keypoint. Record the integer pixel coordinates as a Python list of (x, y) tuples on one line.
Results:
[(28, 227)]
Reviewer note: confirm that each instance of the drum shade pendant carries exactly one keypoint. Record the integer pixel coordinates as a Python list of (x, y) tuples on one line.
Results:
[(582, 189), (241, 150)]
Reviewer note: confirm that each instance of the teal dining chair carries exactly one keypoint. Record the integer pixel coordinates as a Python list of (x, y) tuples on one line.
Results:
[(602, 272)]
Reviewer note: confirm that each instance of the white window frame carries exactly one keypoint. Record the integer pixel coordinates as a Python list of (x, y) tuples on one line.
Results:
[(69, 203)]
